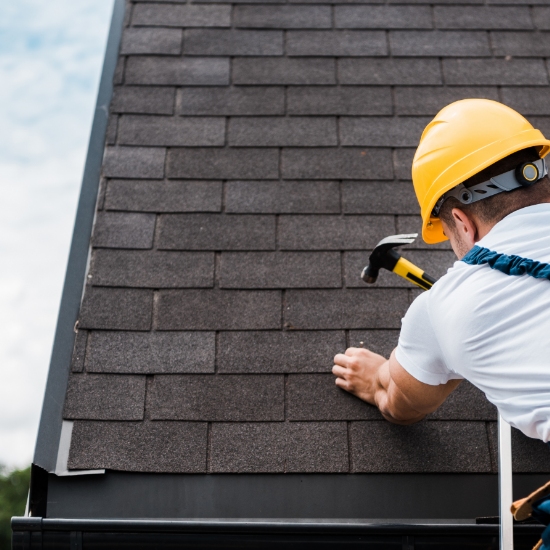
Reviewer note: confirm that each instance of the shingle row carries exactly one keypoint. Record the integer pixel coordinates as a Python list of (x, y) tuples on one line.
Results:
[(195, 309), (320, 17), (277, 447), (250, 163), (296, 71)]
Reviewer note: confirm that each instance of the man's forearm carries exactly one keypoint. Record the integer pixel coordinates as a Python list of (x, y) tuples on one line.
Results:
[(385, 394)]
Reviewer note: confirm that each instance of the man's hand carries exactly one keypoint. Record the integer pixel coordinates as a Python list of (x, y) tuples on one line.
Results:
[(400, 397), (357, 372)]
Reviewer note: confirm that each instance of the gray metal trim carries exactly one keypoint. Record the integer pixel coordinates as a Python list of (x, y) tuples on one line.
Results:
[(412, 498), (49, 431)]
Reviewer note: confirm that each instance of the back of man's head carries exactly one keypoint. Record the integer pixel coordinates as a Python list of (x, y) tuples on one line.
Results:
[(493, 209)]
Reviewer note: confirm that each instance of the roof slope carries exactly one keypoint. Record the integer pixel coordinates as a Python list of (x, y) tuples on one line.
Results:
[(256, 153)]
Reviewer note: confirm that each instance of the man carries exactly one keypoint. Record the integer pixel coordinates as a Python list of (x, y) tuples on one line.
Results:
[(481, 183)]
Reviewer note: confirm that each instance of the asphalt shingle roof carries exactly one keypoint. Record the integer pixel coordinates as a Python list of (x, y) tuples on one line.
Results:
[(256, 153)]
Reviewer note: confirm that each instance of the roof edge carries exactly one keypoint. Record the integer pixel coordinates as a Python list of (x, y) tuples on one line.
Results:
[(49, 430)]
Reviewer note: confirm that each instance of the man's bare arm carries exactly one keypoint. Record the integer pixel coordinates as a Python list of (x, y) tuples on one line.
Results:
[(400, 397)]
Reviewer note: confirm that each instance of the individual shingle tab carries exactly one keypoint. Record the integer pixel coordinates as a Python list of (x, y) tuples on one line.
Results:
[(134, 162), (389, 71), (345, 309), (465, 403), (151, 352), (528, 455), (528, 101), (143, 100), (382, 131), (181, 15), (297, 447), (333, 232), (402, 162), (233, 42), (512, 72), (362, 197), (218, 310), (521, 44), (285, 197), (124, 230), (439, 43), (273, 70), (541, 17), (139, 41), (237, 163), (193, 71), (164, 196), (278, 352), (477, 17), (79, 351), (117, 309), (423, 447), (326, 163), (154, 269), (249, 100), (139, 446), (232, 398), (101, 397), (216, 232), (341, 100), (280, 270), (336, 43), (283, 17), (171, 131), (383, 17), (282, 131), (314, 397), (415, 100), (382, 342)]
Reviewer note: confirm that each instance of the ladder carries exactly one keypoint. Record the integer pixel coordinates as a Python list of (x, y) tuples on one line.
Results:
[(505, 484)]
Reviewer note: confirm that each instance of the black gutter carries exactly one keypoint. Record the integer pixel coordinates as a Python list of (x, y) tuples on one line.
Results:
[(49, 431), (146, 534)]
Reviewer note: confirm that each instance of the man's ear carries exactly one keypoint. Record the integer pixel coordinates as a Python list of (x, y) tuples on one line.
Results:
[(466, 226)]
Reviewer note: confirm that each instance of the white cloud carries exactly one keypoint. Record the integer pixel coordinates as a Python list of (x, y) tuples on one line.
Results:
[(51, 55)]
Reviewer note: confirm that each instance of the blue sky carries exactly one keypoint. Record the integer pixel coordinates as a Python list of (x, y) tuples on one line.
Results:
[(51, 55)]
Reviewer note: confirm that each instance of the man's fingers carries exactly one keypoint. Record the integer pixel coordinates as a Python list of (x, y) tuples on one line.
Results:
[(341, 383), (339, 371), (341, 360)]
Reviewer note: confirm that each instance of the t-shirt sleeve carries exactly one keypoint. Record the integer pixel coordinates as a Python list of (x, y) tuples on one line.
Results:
[(418, 351)]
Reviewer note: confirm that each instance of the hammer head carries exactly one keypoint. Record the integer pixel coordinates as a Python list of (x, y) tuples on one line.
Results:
[(383, 255)]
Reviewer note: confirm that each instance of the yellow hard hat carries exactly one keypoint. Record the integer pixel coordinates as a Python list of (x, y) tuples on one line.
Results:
[(464, 138)]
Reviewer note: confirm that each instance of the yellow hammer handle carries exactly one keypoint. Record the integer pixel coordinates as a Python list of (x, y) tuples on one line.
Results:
[(414, 274)]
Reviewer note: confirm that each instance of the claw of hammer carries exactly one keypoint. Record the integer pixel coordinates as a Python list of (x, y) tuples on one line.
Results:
[(383, 256)]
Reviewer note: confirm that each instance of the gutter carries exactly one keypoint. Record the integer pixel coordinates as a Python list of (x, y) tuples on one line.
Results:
[(199, 534)]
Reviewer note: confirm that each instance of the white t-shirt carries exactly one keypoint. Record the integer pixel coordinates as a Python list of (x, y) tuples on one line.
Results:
[(490, 328)]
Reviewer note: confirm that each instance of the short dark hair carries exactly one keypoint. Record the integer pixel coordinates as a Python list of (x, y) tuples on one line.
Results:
[(497, 207)]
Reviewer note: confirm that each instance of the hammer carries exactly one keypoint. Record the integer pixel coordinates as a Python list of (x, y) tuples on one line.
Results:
[(384, 256)]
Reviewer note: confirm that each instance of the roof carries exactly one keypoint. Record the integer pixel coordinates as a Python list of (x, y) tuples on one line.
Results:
[(256, 152)]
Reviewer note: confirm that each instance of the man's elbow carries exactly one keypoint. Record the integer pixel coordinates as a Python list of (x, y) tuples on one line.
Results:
[(400, 415)]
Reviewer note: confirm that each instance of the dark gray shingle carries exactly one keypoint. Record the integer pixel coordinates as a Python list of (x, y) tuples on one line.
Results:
[(154, 269), (223, 398), (280, 270), (105, 397), (286, 197), (279, 447), (151, 352), (164, 196), (278, 352), (216, 232), (218, 310), (139, 446)]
